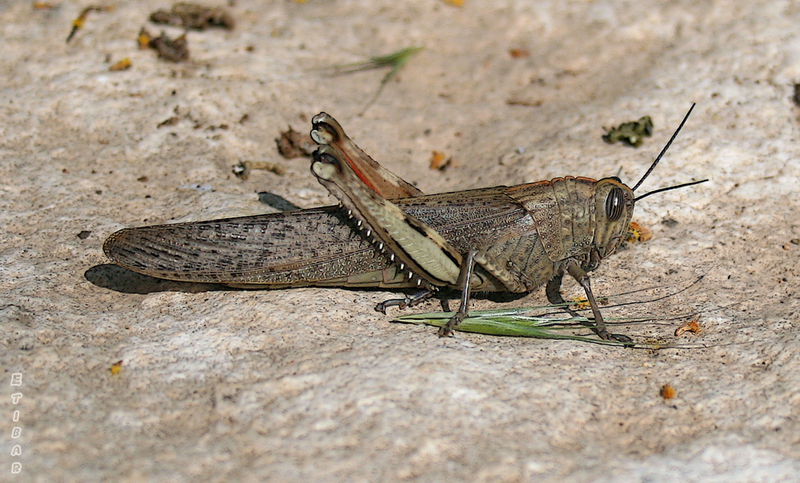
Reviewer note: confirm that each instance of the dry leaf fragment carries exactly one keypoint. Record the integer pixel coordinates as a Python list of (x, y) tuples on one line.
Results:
[(173, 50), (440, 160), (638, 233), (78, 23), (123, 64), (193, 16), (292, 144), (631, 133), (45, 6), (692, 327), (116, 368), (144, 39), (169, 122), (583, 304), (519, 101)]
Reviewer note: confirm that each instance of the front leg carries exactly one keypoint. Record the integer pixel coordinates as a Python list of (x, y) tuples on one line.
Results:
[(553, 291), (464, 279)]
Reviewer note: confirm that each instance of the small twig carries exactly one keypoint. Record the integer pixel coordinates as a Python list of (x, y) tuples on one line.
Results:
[(77, 24)]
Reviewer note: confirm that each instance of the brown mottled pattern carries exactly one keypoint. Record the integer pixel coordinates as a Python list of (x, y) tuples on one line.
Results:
[(293, 248), (564, 211), (540, 200), (309, 247), (321, 247)]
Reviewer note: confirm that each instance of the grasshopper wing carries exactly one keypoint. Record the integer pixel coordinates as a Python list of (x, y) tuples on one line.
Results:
[(281, 249)]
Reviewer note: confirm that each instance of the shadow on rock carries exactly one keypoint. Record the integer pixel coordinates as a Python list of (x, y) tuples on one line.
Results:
[(118, 279)]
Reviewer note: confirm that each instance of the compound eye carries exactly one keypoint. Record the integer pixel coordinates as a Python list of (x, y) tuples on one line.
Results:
[(615, 203)]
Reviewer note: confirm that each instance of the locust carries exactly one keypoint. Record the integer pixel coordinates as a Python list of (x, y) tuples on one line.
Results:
[(386, 233)]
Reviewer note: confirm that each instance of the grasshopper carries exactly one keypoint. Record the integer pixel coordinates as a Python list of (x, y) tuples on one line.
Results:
[(386, 233)]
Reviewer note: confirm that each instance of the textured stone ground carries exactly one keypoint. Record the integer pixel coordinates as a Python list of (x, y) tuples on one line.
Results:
[(312, 384)]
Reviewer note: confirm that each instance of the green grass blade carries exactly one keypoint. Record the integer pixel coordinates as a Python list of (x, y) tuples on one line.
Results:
[(395, 60), (510, 323)]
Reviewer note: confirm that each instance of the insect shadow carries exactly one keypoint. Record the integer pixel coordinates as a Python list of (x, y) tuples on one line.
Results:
[(113, 277)]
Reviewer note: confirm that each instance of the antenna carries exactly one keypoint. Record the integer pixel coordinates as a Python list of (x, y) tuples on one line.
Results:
[(661, 154), (669, 188)]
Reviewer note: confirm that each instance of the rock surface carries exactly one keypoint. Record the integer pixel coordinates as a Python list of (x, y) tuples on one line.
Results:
[(312, 384)]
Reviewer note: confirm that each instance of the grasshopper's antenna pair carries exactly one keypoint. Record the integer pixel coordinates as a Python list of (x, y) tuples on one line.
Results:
[(658, 158)]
